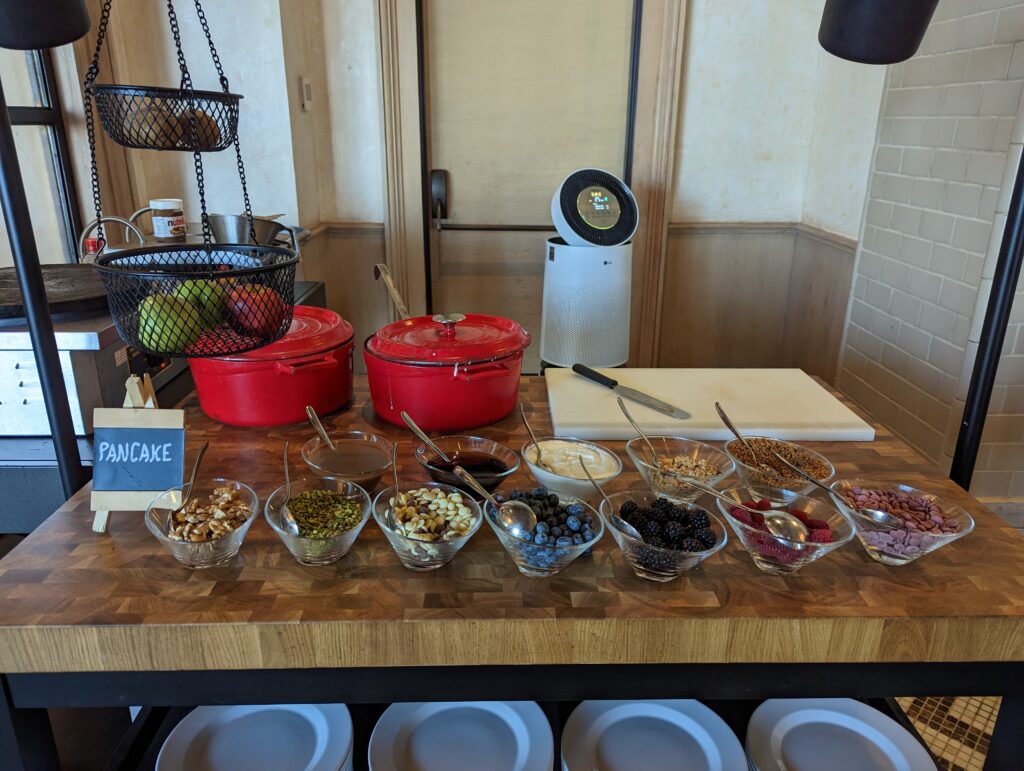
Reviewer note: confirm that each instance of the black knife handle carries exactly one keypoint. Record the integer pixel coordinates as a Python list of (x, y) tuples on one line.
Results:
[(597, 377)]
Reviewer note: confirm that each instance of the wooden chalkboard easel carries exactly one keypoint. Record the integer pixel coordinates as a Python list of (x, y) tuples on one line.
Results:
[(140, 411)]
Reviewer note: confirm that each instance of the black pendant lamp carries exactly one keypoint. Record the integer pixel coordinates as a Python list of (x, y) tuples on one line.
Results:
[(27, 25), (874, 31)]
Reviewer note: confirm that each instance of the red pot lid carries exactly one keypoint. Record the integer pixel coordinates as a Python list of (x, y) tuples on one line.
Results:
[(449, 339), (313, 330)]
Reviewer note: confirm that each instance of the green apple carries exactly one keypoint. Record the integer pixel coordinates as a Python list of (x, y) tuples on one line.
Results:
[(208, 296), (167, 324)]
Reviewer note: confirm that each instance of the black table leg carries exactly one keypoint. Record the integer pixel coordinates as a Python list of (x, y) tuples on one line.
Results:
[(26, 738), (1006, 751)]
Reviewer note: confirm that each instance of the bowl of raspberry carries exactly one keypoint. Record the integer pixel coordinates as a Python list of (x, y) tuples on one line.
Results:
[(828, 529), (677, 537)]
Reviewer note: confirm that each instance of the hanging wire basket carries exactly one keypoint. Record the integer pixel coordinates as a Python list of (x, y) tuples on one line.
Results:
[(153, 118), (198, 301)]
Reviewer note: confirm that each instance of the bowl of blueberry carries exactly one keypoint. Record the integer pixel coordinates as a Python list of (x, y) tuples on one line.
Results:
[(566, 528), (827, 528), (676, 537)]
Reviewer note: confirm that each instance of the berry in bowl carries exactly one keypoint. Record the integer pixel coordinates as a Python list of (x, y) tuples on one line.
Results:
[(557, 467), (929, 522), (566, 528), (676, 536), (763, 468), (827, 528), (427, 525), (678, 458)]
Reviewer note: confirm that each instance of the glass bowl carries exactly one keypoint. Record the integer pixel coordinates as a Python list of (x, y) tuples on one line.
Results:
[(414, 553), (317, 551), (655, 563), (574, 483), (670, 484), (899, 546), (199, 554), (755, 475), (321, 461), (543, 560), (463, 450), (780, 556)]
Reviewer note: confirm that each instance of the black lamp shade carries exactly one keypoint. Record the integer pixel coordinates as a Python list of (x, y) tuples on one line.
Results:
[(28, 24), (875, 31)]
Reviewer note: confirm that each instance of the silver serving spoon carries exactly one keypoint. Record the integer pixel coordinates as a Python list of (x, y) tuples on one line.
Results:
[(389, 516), (286, 514), (744, 442), (315, 420), (881, 517), (618, 521), (515, 516), (191, 485), (636, 426), (533, 437), (423, 437), (780, 523)]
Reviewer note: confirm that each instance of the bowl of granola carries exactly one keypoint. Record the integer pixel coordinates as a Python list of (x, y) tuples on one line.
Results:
[(209, 529), (677, 459)]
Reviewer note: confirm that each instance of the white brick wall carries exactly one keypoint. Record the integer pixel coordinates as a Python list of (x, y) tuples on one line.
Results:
[(942, 169)]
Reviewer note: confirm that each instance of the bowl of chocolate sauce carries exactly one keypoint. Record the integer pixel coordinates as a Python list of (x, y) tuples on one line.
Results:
[(487, 461), (358, 456)]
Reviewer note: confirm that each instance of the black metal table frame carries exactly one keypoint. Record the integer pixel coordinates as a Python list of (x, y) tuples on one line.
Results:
[(26, 741)]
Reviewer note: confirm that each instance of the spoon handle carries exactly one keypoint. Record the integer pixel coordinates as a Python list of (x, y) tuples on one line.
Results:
[(421, 435), (191, 482), (315, 420), (466, 477), (636, 427), (801, 473), (287, 476), (533, 438)]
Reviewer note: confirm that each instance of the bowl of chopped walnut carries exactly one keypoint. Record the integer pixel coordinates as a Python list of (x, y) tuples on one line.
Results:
[(211, 526), (677, 459)]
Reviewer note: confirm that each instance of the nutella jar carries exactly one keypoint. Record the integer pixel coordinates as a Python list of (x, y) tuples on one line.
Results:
[(168, 219)]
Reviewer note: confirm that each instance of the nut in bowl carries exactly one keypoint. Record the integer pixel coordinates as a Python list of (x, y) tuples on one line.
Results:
[(357, 456), (321, 520), (678, 458), (559, 470), (765, 469), (487, 461), (929, 522), (566, 528), (677, 537), (827, 528), (210, 529), (426, 525)]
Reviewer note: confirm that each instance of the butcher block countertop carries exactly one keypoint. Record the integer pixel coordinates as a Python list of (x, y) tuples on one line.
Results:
[(73, 600)]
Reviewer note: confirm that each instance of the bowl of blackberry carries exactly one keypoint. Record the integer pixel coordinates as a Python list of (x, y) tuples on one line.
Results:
[(677, 537), (566, 528), (827, 528)]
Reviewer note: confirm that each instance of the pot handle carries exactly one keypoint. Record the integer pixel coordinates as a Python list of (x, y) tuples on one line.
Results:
[(330, 360), (488, 371)]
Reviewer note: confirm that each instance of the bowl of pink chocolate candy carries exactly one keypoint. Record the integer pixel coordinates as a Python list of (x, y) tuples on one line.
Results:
[(928, 522)]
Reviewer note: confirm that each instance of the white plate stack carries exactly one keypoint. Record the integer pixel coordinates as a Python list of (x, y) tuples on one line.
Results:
[(462, 736), (264, 737), (837, 734), (651, 735)]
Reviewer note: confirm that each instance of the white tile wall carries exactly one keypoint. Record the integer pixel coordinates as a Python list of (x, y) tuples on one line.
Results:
[(943, 168)]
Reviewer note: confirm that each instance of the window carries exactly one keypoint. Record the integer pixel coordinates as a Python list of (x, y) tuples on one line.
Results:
[(38, 124)]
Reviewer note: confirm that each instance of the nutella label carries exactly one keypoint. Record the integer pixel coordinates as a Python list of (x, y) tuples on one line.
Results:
[(169, 227)]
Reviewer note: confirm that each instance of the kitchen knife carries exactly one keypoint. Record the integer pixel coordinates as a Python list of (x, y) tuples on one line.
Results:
[(631, 393)]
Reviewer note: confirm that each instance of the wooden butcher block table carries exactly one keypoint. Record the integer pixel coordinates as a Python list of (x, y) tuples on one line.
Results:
[(91, 619)]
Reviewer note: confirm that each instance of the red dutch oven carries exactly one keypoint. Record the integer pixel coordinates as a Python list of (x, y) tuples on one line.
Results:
[(271, 386), (447, 371)]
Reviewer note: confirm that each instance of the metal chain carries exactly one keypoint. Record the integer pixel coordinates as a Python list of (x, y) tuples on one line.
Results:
[(197, 156), (90, 123), (213, 49), (245, 189)]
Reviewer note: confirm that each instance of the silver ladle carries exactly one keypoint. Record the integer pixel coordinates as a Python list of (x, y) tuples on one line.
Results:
[(315, 420), (883, 518), (533, 437), (618, 521), (636, 426), (515, 516), (423, 437)]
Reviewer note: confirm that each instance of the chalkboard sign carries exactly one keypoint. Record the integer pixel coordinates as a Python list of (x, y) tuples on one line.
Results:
[(138, 458)]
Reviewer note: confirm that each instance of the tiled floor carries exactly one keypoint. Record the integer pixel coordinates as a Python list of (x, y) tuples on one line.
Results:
[(957, 730)]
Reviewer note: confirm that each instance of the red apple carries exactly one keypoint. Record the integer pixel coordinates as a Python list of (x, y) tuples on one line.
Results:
[(255, 309)]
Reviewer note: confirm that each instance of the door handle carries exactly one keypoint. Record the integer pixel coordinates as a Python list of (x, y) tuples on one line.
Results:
[(439, 197)]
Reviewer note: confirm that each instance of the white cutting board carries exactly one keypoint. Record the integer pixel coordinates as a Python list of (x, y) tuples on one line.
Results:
[(782, 403)]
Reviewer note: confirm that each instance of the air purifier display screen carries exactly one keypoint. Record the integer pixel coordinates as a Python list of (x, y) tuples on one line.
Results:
[(598, 207)]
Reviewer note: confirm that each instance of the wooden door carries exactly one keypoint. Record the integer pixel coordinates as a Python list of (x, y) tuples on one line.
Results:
[(517, 96)]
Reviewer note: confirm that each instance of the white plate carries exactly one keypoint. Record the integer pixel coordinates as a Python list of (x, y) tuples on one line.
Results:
[(837, 734), (265, 737), (652, 735), (462, 736)]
